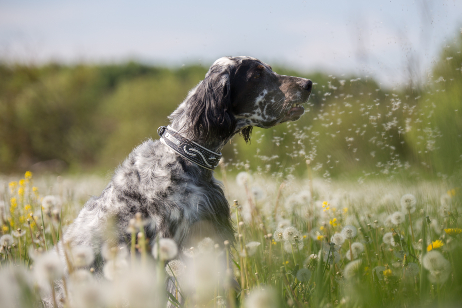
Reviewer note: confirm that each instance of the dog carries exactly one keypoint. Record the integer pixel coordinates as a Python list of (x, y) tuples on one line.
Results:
[(170, 181)]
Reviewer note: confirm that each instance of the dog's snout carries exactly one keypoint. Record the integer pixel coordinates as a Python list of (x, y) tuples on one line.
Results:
[(307, 85)]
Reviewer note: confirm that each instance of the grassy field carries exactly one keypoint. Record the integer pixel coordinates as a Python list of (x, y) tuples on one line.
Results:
[(298, 243)]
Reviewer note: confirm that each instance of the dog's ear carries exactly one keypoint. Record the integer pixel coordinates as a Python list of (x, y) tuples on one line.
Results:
[(210, 112)]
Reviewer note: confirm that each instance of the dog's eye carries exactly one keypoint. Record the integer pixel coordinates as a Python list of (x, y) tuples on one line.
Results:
[(257, 75)]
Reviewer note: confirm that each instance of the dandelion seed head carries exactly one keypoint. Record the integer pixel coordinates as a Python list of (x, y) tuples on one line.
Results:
[(165, 249), (243, 178), (82, 256), (252, 248), (338, 239), (278, 235), (408, 203), (349, 232), (115, 268), (434, 261), (398, 218), (304, 275), (47, 268), (261, 298), (352, 269), (291, 234), (175, 268), (284, 223), (6, 240), (50, 203)]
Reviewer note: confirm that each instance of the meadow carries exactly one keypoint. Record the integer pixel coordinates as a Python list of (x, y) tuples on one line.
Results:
[(299, 243), (356, 205)]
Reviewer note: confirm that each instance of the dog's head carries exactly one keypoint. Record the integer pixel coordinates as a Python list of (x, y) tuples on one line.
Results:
[(241, 92)]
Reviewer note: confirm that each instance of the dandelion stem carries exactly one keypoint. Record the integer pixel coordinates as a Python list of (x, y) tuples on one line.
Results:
[(410, 222)]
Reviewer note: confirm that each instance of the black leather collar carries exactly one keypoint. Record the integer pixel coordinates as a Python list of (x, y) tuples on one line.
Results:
[(188, 149)]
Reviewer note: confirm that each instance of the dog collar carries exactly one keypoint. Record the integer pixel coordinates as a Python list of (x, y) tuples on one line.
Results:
[(188, 149)]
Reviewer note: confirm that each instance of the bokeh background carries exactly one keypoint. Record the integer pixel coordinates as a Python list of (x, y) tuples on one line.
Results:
[(83, 82)]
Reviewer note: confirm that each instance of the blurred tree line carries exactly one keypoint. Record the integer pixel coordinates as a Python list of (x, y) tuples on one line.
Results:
[(89, 117)]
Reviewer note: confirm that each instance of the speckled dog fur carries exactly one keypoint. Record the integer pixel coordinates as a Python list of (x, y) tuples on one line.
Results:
[(179, 199)]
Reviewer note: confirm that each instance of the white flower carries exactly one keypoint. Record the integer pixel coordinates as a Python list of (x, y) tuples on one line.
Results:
[(258, 193), (293, 246), (304, 275), (338, 239), (252, 248), (261, 298), (398, 218), (206, 245), (356, 249), (349, 232), (50, 203), (388, 239), (166, 249), (175, 268), (19, 233), (408, 202), (243, 178), (352, 269), (82, 256), (6, 240)]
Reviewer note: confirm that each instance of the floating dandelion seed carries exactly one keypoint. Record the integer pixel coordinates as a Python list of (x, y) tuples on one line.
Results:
[(408, 203), (349, 232), (338, 239), (303, 275), (175, 268), (82, 256), (397, 218), (165, 249)]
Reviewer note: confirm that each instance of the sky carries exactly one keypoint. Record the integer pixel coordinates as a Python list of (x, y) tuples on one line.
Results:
[(387, 40)]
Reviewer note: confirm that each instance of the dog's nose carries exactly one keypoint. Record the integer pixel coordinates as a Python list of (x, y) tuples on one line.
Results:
[(307, 85)]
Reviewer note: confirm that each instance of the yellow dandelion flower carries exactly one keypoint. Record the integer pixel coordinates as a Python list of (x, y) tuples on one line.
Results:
[(387, 273), (453, 231), (5, 229), (319, 237), (452, 192), (333, 222), (325, 203), (27, 208), (345, 209), (28, 175), (304, 236), (434, 245), (13, 186), (287, 262), (321, 228), (22, 182)]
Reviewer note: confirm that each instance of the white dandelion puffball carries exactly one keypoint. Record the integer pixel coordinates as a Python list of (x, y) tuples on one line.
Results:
[(165, 249), (356, 249), (261, 298), (243, 178), (206, 245), (82, 256), (349, 232), (434, 261), (252, 248), (175, 268), (398, 218), (51, 202), (258, 193), (304, 275), (439, 276), (6, 240), (278, 235), (290, 247), (408, 202), (291, 234), (352, 269), (110, 252), (115, 268), (48, 267), (388, 238), (338, 239)]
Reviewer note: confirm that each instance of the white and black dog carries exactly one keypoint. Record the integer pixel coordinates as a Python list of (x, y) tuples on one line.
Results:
[(170, 181)]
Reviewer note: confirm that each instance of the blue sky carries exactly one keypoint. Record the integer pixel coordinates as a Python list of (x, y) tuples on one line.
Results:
[(374, 38)]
